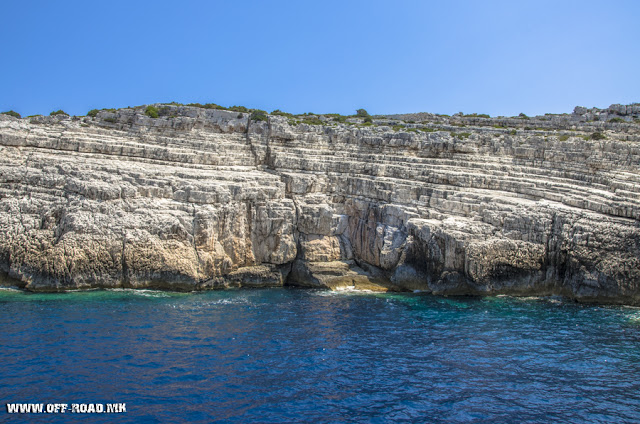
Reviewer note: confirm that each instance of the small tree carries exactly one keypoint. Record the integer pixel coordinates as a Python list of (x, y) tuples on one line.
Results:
[(58, 112), (361, 113)]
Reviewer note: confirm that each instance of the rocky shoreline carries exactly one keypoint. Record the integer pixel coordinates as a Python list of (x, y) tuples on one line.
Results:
[(201, 199)]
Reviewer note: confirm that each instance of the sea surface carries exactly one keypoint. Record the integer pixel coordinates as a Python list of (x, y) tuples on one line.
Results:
[(292, 355)]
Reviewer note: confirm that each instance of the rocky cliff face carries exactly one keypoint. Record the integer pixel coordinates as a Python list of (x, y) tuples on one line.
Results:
[(200, 198)]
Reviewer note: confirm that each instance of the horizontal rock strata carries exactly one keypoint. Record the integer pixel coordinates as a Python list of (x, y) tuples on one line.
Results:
[(201, 198)]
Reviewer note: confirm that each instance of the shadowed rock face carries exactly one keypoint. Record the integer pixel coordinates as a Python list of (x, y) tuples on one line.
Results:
[(200, 199)]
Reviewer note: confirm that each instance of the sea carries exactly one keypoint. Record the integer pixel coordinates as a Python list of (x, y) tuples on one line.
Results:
[(287, 355)]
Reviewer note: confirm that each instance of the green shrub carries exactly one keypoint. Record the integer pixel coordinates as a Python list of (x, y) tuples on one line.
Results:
[(361, 113), (278, 112), (111, 120), (239, 109), (151, 111), (523, 116), (597, 136), (258, 115), (12, 113), (312, 121), (428, 130), (617, 120), (513, 132), (58, 112), (563, 138), (368, 120), (397, 127)]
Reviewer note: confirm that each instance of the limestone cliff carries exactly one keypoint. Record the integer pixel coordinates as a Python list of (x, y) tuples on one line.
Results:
[(202, 198)]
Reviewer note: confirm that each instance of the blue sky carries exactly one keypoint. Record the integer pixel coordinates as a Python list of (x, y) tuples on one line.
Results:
[(496, 57)]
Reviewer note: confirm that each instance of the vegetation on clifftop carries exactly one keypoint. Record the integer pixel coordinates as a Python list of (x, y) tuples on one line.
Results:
[(151, 111), (12, 113)]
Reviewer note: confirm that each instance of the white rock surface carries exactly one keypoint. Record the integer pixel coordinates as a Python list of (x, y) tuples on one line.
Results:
[(202, 198)]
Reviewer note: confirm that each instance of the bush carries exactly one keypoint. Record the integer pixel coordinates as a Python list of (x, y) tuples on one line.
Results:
[(617, 120), (151, 112), (278, 112), (58, 112), (361, 113), (597, 136), (563, 138), (258, 115), (312, 121), (336, 117), (239, 109), (368, 120), (523, 116), (12, 113)]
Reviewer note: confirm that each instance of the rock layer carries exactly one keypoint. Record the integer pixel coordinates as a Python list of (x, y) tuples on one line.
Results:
[(201, 198)]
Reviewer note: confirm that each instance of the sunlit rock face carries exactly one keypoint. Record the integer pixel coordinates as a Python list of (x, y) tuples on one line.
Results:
[(200, 198)]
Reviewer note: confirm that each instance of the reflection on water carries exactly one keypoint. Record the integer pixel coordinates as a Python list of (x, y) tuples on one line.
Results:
[(282, 355)]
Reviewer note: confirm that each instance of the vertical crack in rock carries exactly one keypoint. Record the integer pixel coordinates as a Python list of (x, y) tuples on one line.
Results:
[(267, 159), (195, 244), (123, 263)]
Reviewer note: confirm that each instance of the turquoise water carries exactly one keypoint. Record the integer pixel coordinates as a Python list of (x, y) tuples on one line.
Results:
[(286, 355)]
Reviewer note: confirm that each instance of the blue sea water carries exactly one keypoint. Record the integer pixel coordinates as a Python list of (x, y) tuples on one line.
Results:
[(288, 355)]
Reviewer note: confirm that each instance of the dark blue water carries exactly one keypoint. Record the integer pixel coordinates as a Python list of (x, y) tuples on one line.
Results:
[(283, 355)]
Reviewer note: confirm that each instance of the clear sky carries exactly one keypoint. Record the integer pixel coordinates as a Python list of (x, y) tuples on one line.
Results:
[(496, 57)]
